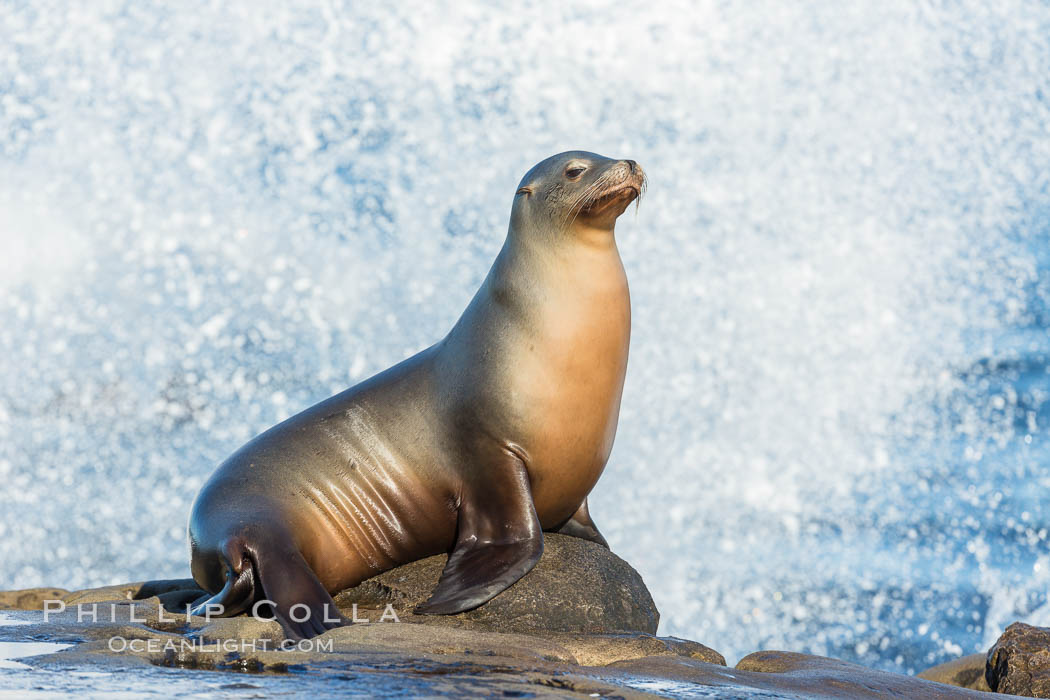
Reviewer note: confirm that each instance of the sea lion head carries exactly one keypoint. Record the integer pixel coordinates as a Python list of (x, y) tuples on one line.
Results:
[(576, 191)]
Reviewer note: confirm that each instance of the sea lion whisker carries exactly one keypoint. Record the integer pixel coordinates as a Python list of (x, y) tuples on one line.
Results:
[(580, 202)]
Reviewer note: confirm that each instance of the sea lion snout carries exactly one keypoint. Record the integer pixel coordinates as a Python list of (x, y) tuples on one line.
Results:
[(635, 174), (629, 170), (623, 175)]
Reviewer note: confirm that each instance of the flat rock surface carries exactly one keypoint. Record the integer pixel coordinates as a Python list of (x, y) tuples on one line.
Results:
[(29, 598), (817, 676), (380, 657)]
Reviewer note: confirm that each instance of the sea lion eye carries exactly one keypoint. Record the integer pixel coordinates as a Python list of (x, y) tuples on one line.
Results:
[(574, 172)]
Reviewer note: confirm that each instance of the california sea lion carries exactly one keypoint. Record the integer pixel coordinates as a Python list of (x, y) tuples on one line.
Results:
[(474, 446)]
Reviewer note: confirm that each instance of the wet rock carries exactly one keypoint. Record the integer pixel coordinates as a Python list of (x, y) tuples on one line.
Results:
[(788, 675), (581, 649), (1019, 662), (431, 660), (578, 586), (242, 627), (843, 679), (439, 660), (966, 672)]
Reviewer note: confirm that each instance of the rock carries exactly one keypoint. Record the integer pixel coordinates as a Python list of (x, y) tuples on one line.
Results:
[(966, 672), (1019, 662), (844, 679), (784, 674), (241, 627), (606, 649), (446, 641), (405, 659), (144, 618), (433, 659), (578, 586), (30, 598)]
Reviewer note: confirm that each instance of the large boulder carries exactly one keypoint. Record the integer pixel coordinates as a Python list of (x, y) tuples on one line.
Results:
[(578, 586), (1019, 662)]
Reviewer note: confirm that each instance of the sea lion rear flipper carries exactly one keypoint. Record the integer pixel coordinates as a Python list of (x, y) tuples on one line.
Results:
[(580, 525), (499, 539)]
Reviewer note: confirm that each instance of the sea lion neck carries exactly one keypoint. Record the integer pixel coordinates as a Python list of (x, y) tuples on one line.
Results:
[(537, 273), (553, 240)]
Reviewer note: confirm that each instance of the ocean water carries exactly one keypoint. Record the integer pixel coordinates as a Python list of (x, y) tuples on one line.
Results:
[(834, 429)]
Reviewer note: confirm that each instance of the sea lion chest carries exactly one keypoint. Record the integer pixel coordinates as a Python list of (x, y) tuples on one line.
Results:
[(567, 384)]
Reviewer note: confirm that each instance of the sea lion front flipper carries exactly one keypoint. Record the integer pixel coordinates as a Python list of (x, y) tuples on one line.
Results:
[(580, 525), (300, 603), (498, 540)]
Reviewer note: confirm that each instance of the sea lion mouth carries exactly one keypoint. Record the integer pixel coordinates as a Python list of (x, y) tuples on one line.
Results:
[(622, 193), (625, 193)]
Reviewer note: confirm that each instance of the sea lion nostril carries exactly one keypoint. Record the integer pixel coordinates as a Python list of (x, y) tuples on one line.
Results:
[(632, 165)]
